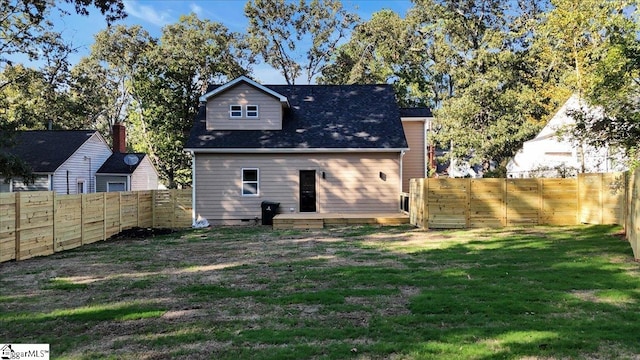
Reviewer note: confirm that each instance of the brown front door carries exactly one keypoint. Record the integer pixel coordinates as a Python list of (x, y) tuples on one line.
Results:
[(307, 191)]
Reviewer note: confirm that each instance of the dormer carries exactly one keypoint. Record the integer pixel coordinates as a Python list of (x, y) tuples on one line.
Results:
[(243, 104)]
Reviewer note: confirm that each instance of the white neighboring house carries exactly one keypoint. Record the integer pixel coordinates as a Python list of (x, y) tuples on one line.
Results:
[(550, 155), (64, 161)]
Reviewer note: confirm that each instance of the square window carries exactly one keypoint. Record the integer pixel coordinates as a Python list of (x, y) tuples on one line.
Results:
[(235, 111), (252, 111), (250, 182)]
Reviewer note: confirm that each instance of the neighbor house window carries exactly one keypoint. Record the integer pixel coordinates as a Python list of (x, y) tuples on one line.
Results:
[(235, 111), (80, 188), (116, 186), (250, 182), (252, 111)]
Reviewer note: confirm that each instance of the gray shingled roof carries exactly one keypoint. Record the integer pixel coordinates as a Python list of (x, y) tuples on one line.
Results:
[(115, 164), (320, 117), (44, 151)]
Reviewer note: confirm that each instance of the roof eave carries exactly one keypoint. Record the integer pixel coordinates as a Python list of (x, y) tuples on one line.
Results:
[(283, 99), (293, 150)]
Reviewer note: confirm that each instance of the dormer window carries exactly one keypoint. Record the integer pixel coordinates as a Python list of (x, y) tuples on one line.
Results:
[(235, 111), (252, 111)]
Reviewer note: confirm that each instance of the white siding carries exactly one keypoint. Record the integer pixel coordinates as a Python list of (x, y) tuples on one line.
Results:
[(145, 177), (549, 155), (40, 183), (352, 183), (76, 167), (270, 110)]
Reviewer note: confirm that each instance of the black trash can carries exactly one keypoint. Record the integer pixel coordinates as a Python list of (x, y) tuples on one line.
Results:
[(269, 211)]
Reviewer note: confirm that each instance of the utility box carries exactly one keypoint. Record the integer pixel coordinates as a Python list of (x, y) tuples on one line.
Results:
[(269, 211)]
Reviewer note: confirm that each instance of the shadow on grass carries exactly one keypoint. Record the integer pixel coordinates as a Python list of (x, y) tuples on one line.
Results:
[(569, 292), (563, 293)]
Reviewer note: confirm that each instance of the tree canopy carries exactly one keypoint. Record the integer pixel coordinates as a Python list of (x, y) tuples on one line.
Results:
[(492, 71), (25, 29)]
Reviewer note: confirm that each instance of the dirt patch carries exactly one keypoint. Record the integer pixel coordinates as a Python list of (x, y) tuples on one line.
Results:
[(142, 233)]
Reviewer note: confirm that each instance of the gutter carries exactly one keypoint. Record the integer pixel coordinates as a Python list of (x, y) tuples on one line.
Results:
[(293, 151)]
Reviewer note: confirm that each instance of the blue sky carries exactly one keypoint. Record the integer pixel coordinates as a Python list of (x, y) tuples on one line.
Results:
[(152, 15)]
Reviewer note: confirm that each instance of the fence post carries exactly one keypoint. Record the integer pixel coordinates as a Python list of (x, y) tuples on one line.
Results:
[(82, 213), (138, 208), (467, 215), (174, 205), (580, 179), (153, 208), (505, 221), (17, 247), (53, 228), (119, 211), (425, 203), (104, 216)]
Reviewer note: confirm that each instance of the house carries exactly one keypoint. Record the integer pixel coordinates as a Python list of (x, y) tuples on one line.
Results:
[(124, 171), (78, 162), (416, 123), (551, 155), (63, 161), (310, 148)]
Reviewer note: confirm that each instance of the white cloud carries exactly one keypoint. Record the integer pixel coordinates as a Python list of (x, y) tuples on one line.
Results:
[(147, 13), (197, 9)]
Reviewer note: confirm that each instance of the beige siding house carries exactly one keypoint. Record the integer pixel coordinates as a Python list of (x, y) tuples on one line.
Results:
[(310, 148), (416, 123)]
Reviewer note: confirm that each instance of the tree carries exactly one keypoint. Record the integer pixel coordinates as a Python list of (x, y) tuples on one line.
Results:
[(153, 85), (594, 45), (491, 97), (385, 49), (277, 29), (25, 29)]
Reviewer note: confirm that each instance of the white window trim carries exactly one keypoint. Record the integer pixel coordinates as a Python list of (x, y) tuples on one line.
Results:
[(231, 111), (257, 182), (124, 185), (84, 186), (257, 111)]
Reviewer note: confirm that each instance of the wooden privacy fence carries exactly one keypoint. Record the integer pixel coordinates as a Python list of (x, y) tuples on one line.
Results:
[(472, 203), (632, 209), (41, 223)]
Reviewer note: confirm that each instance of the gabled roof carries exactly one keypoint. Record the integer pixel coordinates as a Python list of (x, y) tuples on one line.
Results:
[(45, 151), (416, 112), (213, 91), (115, 164), (320, 118)]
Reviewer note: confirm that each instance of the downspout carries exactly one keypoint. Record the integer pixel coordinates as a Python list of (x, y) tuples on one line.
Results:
[(402, 152), (129, 182), (193, 187), (425, 155)]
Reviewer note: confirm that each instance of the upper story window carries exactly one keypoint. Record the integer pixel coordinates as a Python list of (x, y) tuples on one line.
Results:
[(252, 111), (235, 111)]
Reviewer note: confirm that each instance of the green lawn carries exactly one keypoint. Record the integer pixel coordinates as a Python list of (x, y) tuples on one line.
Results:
[(339, 293)]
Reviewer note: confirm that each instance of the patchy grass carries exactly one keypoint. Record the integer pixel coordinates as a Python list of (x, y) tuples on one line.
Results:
[(339, 293)]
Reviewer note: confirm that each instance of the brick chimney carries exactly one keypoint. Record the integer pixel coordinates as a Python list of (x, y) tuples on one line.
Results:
[(119, 138)]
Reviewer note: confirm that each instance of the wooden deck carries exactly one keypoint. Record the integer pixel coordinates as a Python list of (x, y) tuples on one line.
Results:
[(318, 221)]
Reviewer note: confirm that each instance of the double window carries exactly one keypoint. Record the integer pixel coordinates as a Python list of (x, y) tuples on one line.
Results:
[(250, 182), (249, 111)]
